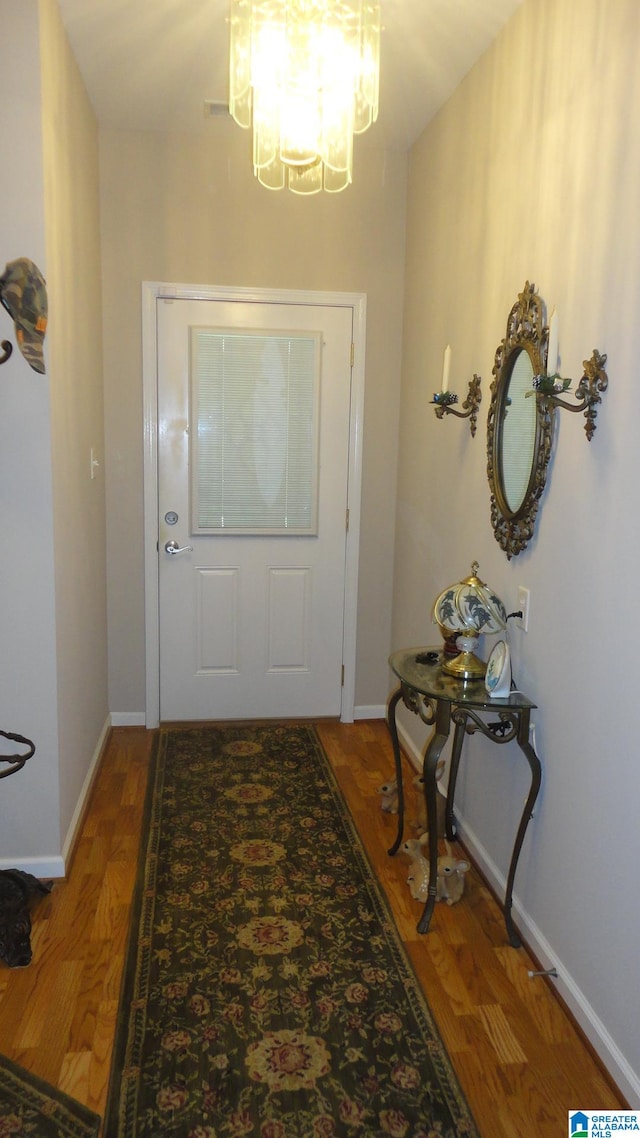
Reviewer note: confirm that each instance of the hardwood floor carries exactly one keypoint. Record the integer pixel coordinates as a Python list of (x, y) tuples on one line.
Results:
[(520, 1061)]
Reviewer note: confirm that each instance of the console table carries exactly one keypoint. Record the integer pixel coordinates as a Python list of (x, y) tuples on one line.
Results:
[(441, 700)]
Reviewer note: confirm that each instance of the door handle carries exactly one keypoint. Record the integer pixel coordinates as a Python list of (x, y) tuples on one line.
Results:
[(172, 547)]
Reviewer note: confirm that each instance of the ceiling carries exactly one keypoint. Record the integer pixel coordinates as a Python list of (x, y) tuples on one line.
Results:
[(152, 64)]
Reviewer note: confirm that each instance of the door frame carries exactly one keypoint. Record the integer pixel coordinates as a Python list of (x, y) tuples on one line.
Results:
[(152, 291)]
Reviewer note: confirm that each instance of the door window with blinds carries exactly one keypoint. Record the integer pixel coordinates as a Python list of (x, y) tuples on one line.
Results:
[(254, 431)]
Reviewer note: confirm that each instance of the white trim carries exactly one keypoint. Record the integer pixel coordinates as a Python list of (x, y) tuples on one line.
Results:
[(356, 424), (151, 291), (411, 749), (150, 410), (78, 813), (128, 719), (44, 868), (370, 711)]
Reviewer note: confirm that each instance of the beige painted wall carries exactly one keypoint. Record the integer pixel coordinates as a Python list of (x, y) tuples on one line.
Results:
[(53, 676), (186, 208), (71, 189), (29, 817), (532, 172)]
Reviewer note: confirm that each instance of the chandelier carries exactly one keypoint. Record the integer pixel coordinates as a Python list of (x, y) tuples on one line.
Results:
[(304, 74)]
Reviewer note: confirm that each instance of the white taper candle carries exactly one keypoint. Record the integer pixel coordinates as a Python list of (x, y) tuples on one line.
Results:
[(446, 368), (552, 353)]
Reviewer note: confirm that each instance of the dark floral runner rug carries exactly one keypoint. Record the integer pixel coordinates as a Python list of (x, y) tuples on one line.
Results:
[(266, 992), (30, 1107)]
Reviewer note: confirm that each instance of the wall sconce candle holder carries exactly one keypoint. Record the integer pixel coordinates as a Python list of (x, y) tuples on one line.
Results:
[(444, 404), (589, 391)]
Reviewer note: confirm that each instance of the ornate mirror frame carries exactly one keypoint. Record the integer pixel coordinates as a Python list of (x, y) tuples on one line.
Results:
[(513, 528)]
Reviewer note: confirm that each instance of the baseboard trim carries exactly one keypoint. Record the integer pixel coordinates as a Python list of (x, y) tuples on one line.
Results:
[(128, 719), (568, 991), (81, 805), (44, 868), (411, 750), (139, 719), (574, 999), (370, 711)]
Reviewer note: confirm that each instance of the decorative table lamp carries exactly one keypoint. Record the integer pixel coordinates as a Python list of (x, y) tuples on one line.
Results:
[(469, 608)]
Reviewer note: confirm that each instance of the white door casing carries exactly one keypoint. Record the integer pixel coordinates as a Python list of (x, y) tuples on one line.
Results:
[(213, 573), (253, 418)]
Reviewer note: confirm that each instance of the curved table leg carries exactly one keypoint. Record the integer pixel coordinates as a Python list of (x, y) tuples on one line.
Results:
[(449, 821), (431, 756), (393, 731), (536, 778)]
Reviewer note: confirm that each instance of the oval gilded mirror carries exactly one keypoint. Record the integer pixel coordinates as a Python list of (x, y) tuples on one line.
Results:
[(519, 427)]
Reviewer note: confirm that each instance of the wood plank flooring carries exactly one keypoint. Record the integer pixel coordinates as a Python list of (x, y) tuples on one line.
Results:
[(520, 1061)]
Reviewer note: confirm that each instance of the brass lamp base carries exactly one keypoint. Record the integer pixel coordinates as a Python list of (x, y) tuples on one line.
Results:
[(465, 666)]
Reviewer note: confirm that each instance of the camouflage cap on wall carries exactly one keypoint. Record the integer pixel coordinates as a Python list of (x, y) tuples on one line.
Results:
[(23, 293)]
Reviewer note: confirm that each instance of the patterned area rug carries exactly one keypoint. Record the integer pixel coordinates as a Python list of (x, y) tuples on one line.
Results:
[(267, 994), (30, 1108)]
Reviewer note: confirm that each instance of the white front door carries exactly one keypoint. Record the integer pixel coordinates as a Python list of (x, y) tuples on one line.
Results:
[(253, 462)]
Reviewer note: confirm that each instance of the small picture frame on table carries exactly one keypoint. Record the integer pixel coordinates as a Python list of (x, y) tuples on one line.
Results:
[(497, 680)]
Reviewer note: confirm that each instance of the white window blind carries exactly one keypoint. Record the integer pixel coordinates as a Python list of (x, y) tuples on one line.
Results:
[(254, 434)]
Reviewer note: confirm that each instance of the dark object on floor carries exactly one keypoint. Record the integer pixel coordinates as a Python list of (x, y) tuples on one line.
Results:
[(30, 1106), (17, 889)]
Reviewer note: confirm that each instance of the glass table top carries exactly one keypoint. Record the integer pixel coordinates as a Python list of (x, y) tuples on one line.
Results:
[(428, 679)]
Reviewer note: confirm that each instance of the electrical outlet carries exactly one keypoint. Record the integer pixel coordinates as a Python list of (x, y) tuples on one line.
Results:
[(524, 598)]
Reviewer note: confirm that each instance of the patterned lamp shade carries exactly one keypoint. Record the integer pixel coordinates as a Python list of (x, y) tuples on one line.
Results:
[(471, 608)]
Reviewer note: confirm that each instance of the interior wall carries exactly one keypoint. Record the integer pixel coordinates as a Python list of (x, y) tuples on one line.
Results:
[(185, 208), (29, 815), (53, 674), (532, 172), (72, 203)]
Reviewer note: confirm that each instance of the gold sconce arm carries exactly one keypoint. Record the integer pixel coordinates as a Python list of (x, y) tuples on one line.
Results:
[(589, 391), (445, 404)]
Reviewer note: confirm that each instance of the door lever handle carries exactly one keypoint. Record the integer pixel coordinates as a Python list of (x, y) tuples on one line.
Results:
[(172, 547)]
